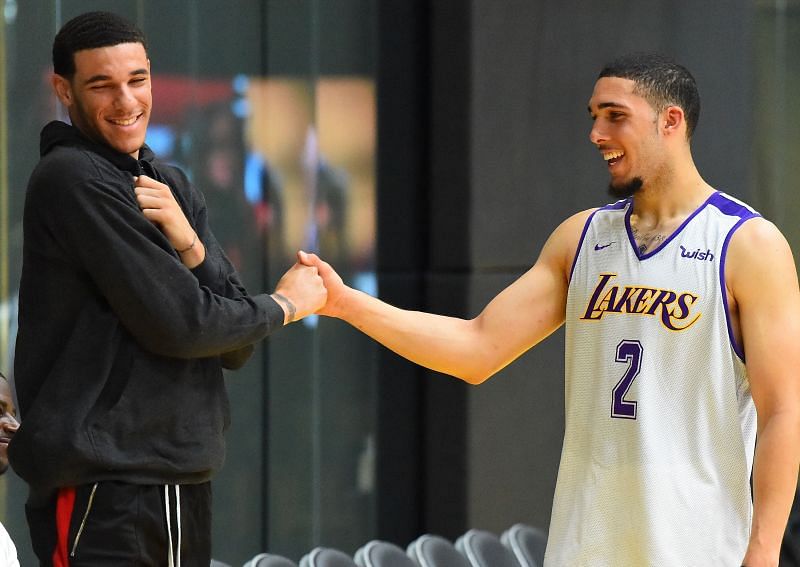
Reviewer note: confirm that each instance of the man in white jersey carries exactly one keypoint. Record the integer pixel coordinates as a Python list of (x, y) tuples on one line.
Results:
[(682, 315)]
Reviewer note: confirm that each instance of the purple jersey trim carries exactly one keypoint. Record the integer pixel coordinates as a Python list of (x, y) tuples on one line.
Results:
[(580, 245), (618, 205), (732, 208), (677, 231)]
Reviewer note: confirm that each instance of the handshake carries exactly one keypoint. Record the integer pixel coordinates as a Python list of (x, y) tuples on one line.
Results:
[(310, 286)]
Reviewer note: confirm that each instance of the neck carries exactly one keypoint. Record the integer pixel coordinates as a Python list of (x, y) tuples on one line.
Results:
[(676, 192)]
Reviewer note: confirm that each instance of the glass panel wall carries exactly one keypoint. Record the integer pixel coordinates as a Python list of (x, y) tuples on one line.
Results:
[(269, 106), (777, 114), (314, 123), (25, 106), (777, 122)]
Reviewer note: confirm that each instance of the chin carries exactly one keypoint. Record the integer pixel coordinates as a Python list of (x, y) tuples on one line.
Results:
[(129, 144), (127, 147), (625, 189)]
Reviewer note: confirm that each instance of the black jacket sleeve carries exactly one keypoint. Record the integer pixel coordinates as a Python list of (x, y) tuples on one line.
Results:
[(215, 272), (158, 300)]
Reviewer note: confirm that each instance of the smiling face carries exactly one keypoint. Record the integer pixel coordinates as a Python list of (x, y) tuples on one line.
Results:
[(626, 131), (8, 422), (109, 98)]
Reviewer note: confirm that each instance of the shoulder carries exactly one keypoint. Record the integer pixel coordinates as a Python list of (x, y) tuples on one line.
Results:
[(569, 232), (759, 259), (66, 164), (70, 167), (571, 228), (562, 245), (67, 181), (575, 226), (755, 239)]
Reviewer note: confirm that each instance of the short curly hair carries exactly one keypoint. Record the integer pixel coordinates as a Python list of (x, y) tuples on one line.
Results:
[(661, 82), (90, 31)]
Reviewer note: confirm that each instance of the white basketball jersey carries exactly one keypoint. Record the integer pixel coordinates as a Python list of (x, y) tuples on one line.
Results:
[(660, 423)]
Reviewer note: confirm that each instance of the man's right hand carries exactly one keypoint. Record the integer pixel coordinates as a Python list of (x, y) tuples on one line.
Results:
[(300, 292), (159, 206), (333, 283)]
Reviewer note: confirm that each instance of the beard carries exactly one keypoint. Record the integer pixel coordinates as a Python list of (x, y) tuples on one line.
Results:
[(625, 190)]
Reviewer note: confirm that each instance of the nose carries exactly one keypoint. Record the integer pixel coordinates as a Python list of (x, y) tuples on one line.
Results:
[(596, 135), (124, 97), (9, 423)]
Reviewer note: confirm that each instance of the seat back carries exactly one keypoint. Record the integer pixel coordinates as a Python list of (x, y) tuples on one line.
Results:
[(382, 554), (435, 551), (484, 549), (527, 543), (270, 560), (326, 557)]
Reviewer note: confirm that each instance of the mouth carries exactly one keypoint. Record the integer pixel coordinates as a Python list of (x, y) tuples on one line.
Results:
[(613, 157), (124, 121), (5, 440)]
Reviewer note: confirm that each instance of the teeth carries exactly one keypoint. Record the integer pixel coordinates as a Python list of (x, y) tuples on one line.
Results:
[(126, 122), (612, 155)]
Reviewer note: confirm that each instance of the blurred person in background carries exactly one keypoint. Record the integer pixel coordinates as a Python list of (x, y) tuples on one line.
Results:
[(8, 427)]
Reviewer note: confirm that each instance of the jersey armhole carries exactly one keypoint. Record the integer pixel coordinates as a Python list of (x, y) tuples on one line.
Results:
[(737, 348), (580, 244)]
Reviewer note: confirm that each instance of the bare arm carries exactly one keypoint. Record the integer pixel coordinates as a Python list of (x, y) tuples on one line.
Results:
[(762, 279), (519, 317)]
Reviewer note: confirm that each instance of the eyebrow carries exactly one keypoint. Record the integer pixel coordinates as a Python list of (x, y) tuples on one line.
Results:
[(99, 78), (603, 105)]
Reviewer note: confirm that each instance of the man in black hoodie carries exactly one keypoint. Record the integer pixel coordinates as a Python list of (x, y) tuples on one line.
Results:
[(128, 312)]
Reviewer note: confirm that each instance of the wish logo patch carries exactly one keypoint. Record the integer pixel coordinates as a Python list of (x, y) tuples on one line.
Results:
[(697, 254)]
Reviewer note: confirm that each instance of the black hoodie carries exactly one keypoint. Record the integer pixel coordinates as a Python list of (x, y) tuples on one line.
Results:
[(119, 356)]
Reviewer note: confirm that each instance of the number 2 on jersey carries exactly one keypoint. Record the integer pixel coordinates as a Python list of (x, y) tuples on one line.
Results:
[(630, 353)]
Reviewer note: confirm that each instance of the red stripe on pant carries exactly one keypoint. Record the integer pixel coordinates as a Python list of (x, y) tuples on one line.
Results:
[(64, 507)]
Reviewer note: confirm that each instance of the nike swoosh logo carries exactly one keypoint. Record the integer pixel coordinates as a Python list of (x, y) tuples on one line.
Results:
[(598, 247)]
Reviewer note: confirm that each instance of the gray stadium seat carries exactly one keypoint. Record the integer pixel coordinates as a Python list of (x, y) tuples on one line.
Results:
[(270, 560), (527, 543), (484, 549), (435, 551), (382, 554), (326, 557)]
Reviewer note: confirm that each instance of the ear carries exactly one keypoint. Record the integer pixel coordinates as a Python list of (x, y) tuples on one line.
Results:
[(673, 120), (63, 89)]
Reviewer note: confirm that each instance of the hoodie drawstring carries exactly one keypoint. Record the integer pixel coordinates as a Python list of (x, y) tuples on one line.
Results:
[(83, 520), (173, 559)]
